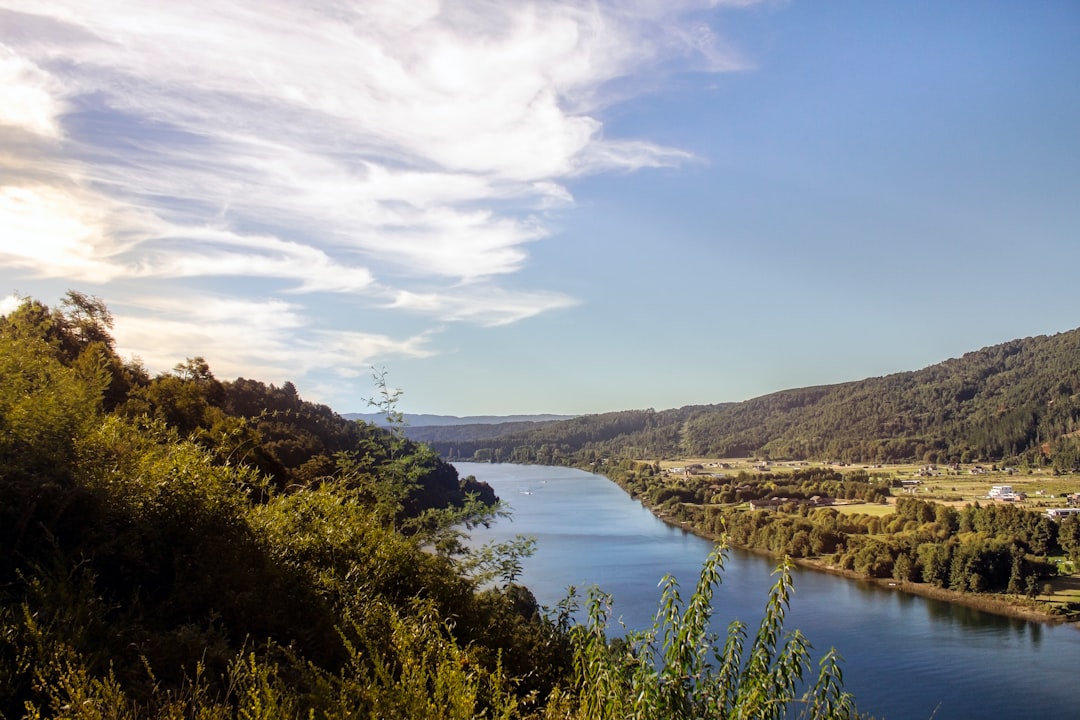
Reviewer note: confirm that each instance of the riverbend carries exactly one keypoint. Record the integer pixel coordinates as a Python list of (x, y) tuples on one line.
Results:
[(904, 656)]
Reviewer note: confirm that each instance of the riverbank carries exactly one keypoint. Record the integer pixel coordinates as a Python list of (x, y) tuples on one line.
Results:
[(998, 604), (984, 602), (904, 656)]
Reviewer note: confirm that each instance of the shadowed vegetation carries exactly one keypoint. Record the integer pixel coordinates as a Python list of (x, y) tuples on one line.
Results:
[(182, 547)]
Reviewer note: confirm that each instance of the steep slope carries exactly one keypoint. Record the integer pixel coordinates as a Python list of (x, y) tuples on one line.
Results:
[(1016, 399)]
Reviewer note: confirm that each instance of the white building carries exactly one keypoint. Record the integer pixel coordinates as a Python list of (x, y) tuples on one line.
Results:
[(1003, 492), (1059, 513)]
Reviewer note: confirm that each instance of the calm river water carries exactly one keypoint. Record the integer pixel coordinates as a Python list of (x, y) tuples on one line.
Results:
[(905, 657)]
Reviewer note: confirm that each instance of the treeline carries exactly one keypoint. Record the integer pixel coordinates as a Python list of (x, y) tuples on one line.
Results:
[(177, 546), (999, 549), (1017, 402), (658, 490), (633, 434), (996, 548), (181, 547)]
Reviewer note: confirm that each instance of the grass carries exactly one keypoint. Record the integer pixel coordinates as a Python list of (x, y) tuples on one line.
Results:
[(953, 487), (872, 509)]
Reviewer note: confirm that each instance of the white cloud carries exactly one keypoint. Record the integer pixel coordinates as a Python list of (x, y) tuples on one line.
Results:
[(380, 127), (265, 339), (350, 354), (616, 154), (404, 152), (55, 233), (29, 96), (9, 304), (80, 237), (484, 305), (209, 252)]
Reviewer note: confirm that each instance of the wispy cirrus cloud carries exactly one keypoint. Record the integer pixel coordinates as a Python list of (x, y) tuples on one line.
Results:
[(487, 305), (405, 153), (268, 339)]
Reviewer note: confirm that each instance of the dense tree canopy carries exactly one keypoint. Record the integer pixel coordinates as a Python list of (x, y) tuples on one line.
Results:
[(184, 547)]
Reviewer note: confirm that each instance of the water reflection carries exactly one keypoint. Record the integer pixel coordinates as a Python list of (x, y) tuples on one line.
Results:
[(905, 656)]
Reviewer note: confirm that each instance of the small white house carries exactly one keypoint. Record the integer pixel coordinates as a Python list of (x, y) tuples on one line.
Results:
[(1059, 513), (1003, 492)]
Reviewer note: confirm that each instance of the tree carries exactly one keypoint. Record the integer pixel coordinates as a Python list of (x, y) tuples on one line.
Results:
[(87, 320), (1042, 536), (1016, 572), (1031, 586), (1069, 537), (903, 568), (44, 408)]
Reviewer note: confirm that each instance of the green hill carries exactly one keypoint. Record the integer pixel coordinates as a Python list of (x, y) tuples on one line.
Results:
[(1018, 401)]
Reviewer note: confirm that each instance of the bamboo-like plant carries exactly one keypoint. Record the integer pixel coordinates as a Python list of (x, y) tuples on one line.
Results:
[(676, 669)]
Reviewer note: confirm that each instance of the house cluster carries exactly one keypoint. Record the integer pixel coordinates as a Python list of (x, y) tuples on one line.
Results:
[(934, 471), (773, 503), (697, 469)]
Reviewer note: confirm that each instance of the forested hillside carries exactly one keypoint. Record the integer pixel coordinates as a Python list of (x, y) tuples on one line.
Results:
[(1018, 401), (422, 420), (471, 431), (183, 547)]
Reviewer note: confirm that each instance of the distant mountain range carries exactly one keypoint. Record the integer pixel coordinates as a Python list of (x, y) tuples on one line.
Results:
[(1019, 400), (425, 420)]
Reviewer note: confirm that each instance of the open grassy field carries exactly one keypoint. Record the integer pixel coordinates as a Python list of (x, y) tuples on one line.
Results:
[(957, 485), (872, 509)]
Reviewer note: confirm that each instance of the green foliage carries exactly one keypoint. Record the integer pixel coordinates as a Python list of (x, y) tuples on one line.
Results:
[(991, 549), (1069, 537), (386, 403), (1018, 400), (498, 561), (180, 547), (677, 670), (44, 406)]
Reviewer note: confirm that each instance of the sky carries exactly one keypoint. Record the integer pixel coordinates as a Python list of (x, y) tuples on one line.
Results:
[(545, 207)]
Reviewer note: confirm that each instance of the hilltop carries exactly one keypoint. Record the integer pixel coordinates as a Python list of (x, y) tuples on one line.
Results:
[(1018, 400)]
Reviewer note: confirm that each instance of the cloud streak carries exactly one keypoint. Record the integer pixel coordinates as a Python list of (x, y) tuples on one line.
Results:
[(405, 153), (271, 340)]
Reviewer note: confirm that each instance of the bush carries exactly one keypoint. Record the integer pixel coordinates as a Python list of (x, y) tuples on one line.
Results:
[(668, 671)]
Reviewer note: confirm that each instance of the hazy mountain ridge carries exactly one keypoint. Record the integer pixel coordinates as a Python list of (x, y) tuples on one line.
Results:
[(1018, 398), (419, 420)]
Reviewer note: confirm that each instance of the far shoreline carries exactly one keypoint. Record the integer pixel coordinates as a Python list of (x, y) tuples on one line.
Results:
[(986, 602)]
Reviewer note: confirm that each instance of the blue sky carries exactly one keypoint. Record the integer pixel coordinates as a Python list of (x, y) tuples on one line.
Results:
[(563, 207)]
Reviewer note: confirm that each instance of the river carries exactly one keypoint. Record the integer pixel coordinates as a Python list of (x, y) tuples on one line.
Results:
[(905, 657)]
